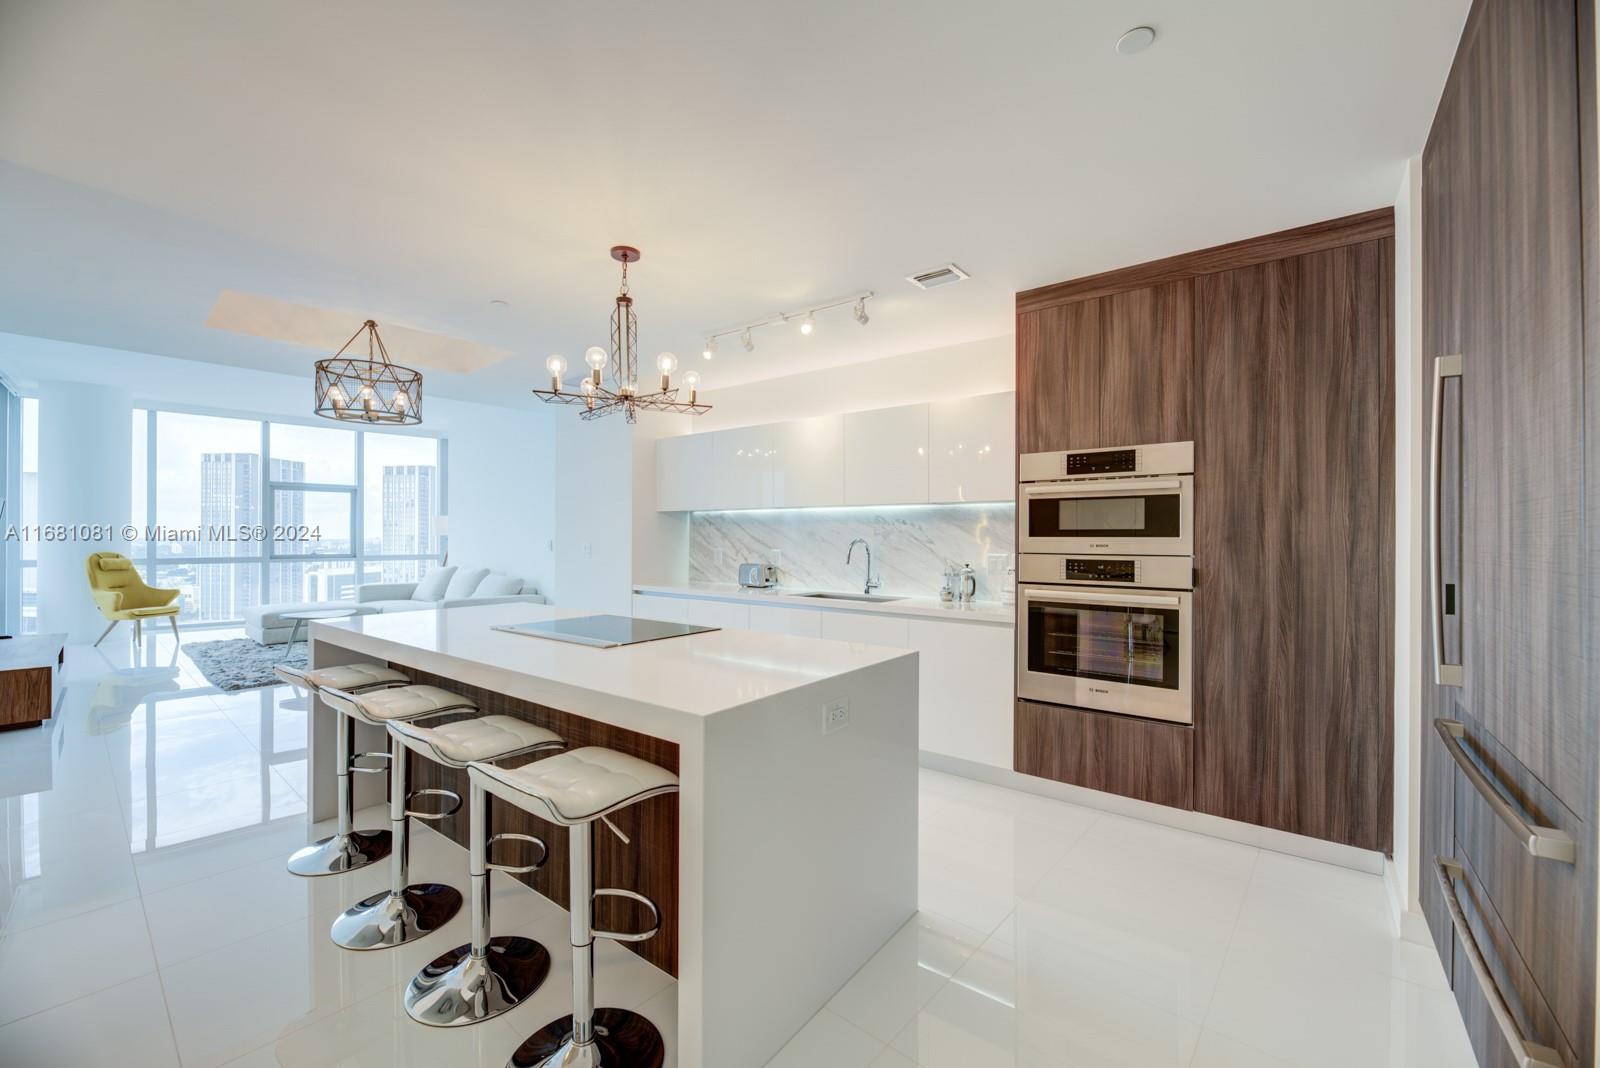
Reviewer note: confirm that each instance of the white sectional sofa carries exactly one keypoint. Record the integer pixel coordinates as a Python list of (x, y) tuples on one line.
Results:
[(443, 587)]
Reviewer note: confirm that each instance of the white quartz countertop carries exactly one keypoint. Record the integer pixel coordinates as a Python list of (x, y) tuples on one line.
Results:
[(640, 686), (991, 612)]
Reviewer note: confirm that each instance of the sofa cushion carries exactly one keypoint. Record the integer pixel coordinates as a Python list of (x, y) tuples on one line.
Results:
[(465, 581), (433, 584), (498, 585), (399, 605)]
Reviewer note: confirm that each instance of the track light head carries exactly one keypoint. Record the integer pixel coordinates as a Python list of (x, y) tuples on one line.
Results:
[(711, 348), (809, 323), (745, 340), (861, 312)]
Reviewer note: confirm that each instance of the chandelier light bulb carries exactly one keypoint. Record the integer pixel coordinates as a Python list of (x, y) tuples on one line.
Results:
[(666, 363), (745, 340), (861, 311), (401, 400), (691, 382), (595, 357), (809, 323), (556, 366)]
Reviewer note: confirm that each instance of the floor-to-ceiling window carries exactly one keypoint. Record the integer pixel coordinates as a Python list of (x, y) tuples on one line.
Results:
[(242, 512), (28, 516)]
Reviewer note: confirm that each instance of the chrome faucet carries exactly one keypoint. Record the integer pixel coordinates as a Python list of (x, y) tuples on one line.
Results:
[(871, 583)]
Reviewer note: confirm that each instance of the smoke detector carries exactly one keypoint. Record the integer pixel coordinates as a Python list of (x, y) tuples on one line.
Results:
[(933, 278)]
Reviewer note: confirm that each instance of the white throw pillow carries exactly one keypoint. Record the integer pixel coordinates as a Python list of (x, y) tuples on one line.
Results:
[(433, 585), (464, 583), (498, 586)]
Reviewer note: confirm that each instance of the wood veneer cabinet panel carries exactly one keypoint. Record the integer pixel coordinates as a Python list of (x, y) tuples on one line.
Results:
[(1147, 365), (1058, 378), (1547, 909), (1143, 758), (1294, 432), (1518, 226), (1330, 233)]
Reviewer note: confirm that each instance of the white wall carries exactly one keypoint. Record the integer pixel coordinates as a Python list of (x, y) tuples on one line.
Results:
[(1410, 562), (594, 515), (85, 453), (965, 370), (502, 478)]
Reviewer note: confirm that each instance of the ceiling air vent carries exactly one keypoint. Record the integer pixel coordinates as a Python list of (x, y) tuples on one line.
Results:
[(946, 275)]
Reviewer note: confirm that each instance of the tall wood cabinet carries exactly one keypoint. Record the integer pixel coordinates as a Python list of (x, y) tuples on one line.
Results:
[(1275, 357), (1512, 734)]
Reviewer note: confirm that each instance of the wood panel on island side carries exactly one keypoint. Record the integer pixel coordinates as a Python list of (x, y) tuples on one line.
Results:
[(1275, 356)]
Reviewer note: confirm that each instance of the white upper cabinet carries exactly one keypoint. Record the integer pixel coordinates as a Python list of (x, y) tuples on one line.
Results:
[(960, 450), (685, 476), (972, 448), (808, 462), (743, 468), (886, 456)]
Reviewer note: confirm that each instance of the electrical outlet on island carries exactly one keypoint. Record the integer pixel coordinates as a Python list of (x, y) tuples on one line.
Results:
[(835, 715)]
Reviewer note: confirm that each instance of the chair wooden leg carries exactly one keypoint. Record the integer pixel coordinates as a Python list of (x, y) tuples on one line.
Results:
[(109, 628), (175, 636)]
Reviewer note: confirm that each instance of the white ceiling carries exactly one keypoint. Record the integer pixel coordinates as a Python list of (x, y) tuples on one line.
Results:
[(410, 161)]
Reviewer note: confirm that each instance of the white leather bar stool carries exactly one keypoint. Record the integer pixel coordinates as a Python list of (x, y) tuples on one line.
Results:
[(488, 975), (405, 911), (575, 789), (347, 849)]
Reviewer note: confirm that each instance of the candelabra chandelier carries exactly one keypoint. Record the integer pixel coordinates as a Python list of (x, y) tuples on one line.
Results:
[(372, 390), (601, 394)]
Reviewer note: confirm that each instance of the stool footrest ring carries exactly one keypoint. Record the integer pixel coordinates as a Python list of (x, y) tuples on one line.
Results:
[(355, 769), (544, 853), (627, 936), (451, 810)]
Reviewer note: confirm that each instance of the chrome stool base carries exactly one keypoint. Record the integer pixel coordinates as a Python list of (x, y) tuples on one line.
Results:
[(389, 919), (459, 989), (622, 1039), (340, 853)]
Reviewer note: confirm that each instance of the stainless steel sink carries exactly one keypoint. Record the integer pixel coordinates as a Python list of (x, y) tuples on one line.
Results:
[(850, 597)]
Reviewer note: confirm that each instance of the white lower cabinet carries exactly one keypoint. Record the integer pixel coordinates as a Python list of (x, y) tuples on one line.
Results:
[(719, 614), (965, 681), (801, 621), (666, 609), (866, 629)]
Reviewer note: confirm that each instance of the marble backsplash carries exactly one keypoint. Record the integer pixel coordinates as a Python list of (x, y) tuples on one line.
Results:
[(910, 546)]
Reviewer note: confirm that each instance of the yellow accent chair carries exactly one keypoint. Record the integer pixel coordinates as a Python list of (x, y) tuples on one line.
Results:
[(122, 594)]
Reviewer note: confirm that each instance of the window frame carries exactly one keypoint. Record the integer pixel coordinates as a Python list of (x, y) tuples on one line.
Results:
[(267, 488)]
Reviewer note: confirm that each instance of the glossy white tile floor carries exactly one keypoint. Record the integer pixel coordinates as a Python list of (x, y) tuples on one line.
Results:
[(148, 920)]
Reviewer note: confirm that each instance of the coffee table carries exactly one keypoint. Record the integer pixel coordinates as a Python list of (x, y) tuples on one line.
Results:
[(302, 618)]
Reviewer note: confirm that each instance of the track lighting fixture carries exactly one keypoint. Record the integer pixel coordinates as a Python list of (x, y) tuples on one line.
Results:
[(806, 316)]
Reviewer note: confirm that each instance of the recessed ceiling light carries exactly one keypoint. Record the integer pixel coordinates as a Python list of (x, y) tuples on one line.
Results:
[(1136, 40)]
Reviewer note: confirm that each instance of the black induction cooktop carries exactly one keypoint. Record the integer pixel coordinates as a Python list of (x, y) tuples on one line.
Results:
[(604, 632)]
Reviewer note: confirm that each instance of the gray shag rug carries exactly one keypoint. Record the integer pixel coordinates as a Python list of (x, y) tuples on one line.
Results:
[(240, 663)]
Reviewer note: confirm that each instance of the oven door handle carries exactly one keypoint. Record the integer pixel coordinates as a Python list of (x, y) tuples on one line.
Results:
[(1104, 598), (1095, 489)]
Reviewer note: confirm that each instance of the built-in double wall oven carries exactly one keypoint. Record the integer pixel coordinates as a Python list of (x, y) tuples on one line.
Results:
[(1105, 597)]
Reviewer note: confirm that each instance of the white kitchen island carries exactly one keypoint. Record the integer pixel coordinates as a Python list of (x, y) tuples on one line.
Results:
[(797, 846)]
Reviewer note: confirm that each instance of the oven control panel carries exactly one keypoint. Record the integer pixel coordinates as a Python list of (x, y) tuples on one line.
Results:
[(1100, 462), (1154, 572)]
